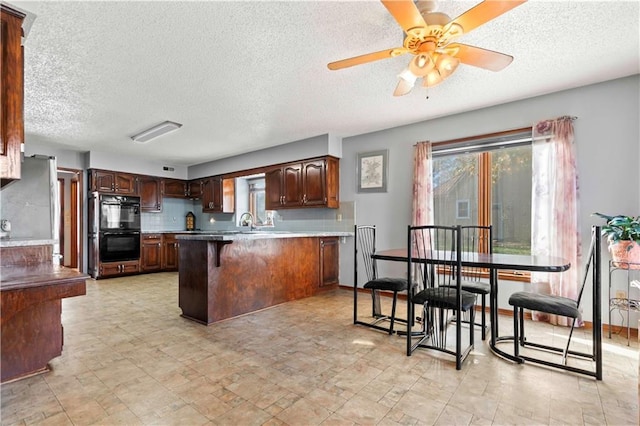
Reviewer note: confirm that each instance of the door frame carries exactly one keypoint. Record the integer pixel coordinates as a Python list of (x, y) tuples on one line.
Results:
[(77, 223)]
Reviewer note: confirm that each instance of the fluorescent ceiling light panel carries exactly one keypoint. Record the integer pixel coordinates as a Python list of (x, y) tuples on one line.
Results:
[(156, 131)]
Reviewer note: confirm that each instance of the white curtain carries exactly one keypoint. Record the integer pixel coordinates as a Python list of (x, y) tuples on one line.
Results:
[(554, 219)]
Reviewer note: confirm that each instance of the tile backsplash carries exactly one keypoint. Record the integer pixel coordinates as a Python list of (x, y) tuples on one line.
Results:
[(174, 212)]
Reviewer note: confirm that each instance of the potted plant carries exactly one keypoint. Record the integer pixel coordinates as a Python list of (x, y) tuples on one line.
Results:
[(623, 234)]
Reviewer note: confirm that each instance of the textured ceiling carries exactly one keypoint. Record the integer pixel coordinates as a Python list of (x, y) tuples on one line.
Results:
[(241, 76)]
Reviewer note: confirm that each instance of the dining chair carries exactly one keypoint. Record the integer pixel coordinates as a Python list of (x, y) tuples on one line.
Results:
[(435, 274), (365, 246), (477, 239), (561, 306)]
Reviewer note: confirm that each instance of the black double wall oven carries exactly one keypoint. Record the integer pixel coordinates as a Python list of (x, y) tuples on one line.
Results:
[(116, 227)]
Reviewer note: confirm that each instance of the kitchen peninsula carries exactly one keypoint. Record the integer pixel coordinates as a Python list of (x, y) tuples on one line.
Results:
[(223, 275), (32, 289)]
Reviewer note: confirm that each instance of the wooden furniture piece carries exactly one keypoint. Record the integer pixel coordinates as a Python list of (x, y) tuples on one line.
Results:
[(194, 189), (175, 188), (113, 182), (11, 90), (151, 252), (159, 252), (170, 252), (309, 183), (31, 291), (218, 195), (151, 190), (329, 265), (225, 276)]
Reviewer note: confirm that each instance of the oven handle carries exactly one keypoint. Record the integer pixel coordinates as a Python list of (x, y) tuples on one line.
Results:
[(120, 233)]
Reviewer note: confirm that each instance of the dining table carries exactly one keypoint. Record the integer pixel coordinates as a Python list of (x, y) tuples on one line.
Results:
[(493, 263)]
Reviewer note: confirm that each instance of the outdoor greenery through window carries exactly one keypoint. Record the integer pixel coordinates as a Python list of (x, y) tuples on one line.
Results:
[(486, 181)]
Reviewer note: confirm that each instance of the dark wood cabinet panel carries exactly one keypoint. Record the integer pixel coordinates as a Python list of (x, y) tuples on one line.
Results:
[(218, 195), (195, 189), (115, 182), (12, 89), (292, 185), (273, 189), (150, 189), (310, 183), (103, 181), (126, 183), (314, 192), (329, 261), (170, 252), (151, 253), (175, 188), (113, 269)]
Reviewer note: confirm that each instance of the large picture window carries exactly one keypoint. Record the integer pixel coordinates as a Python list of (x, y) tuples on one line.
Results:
[(486, 180)]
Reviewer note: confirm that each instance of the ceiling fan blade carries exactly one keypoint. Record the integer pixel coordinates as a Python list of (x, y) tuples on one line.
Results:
[(369, 57), (478, 57), (484, 12), (405, 12)]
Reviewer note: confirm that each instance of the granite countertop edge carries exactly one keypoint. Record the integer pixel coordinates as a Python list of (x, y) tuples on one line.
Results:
[(255, 235), (25, 242)]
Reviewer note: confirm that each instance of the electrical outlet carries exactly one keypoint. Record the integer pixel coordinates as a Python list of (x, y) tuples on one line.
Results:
[(621, 294), (339, 217)]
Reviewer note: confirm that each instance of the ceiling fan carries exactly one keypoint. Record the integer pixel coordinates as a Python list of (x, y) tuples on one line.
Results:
[(429, 37)]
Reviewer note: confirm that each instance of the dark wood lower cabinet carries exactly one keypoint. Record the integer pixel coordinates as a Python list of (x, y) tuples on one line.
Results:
[(170, 252), (114, 269), (329, 261), (151, 253)]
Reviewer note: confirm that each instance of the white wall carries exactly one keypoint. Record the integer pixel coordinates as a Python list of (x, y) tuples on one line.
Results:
[(114, 161), (307, 148), (607, 138)]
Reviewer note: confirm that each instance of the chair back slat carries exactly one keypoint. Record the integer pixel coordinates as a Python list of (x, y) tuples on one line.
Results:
[(365, 242), (475, 239), (439, 245)]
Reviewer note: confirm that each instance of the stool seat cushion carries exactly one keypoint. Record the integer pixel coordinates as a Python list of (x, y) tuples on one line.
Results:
[(477, 287), (550, 304), (390, 284), (444, 297)]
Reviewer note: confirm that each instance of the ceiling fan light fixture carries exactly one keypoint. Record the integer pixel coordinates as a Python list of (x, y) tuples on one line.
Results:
[(432, 79), (421, 65), (406, 81), (156, 131), (446, 65)]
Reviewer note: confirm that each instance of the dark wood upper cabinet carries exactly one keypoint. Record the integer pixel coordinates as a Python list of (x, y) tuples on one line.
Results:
[(12, 93), (150, 189), (195, 189), (273, 188), (218, 195), (310, 183), (115, 182), (175, 188)]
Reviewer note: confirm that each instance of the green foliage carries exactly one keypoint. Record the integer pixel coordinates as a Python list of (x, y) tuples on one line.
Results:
[(621, 228)]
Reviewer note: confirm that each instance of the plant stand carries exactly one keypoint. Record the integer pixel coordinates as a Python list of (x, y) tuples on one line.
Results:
[(627, 303)]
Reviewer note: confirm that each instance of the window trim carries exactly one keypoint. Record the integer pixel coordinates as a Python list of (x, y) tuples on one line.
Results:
[(480, 143)]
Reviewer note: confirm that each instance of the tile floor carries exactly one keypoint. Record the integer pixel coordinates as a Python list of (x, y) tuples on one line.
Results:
[(129, 358)]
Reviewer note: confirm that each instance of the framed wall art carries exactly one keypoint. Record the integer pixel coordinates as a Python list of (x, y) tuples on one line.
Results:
[(372, 171)]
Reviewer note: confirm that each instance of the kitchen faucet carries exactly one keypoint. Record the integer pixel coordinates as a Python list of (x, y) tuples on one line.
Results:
[(246, 219)]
